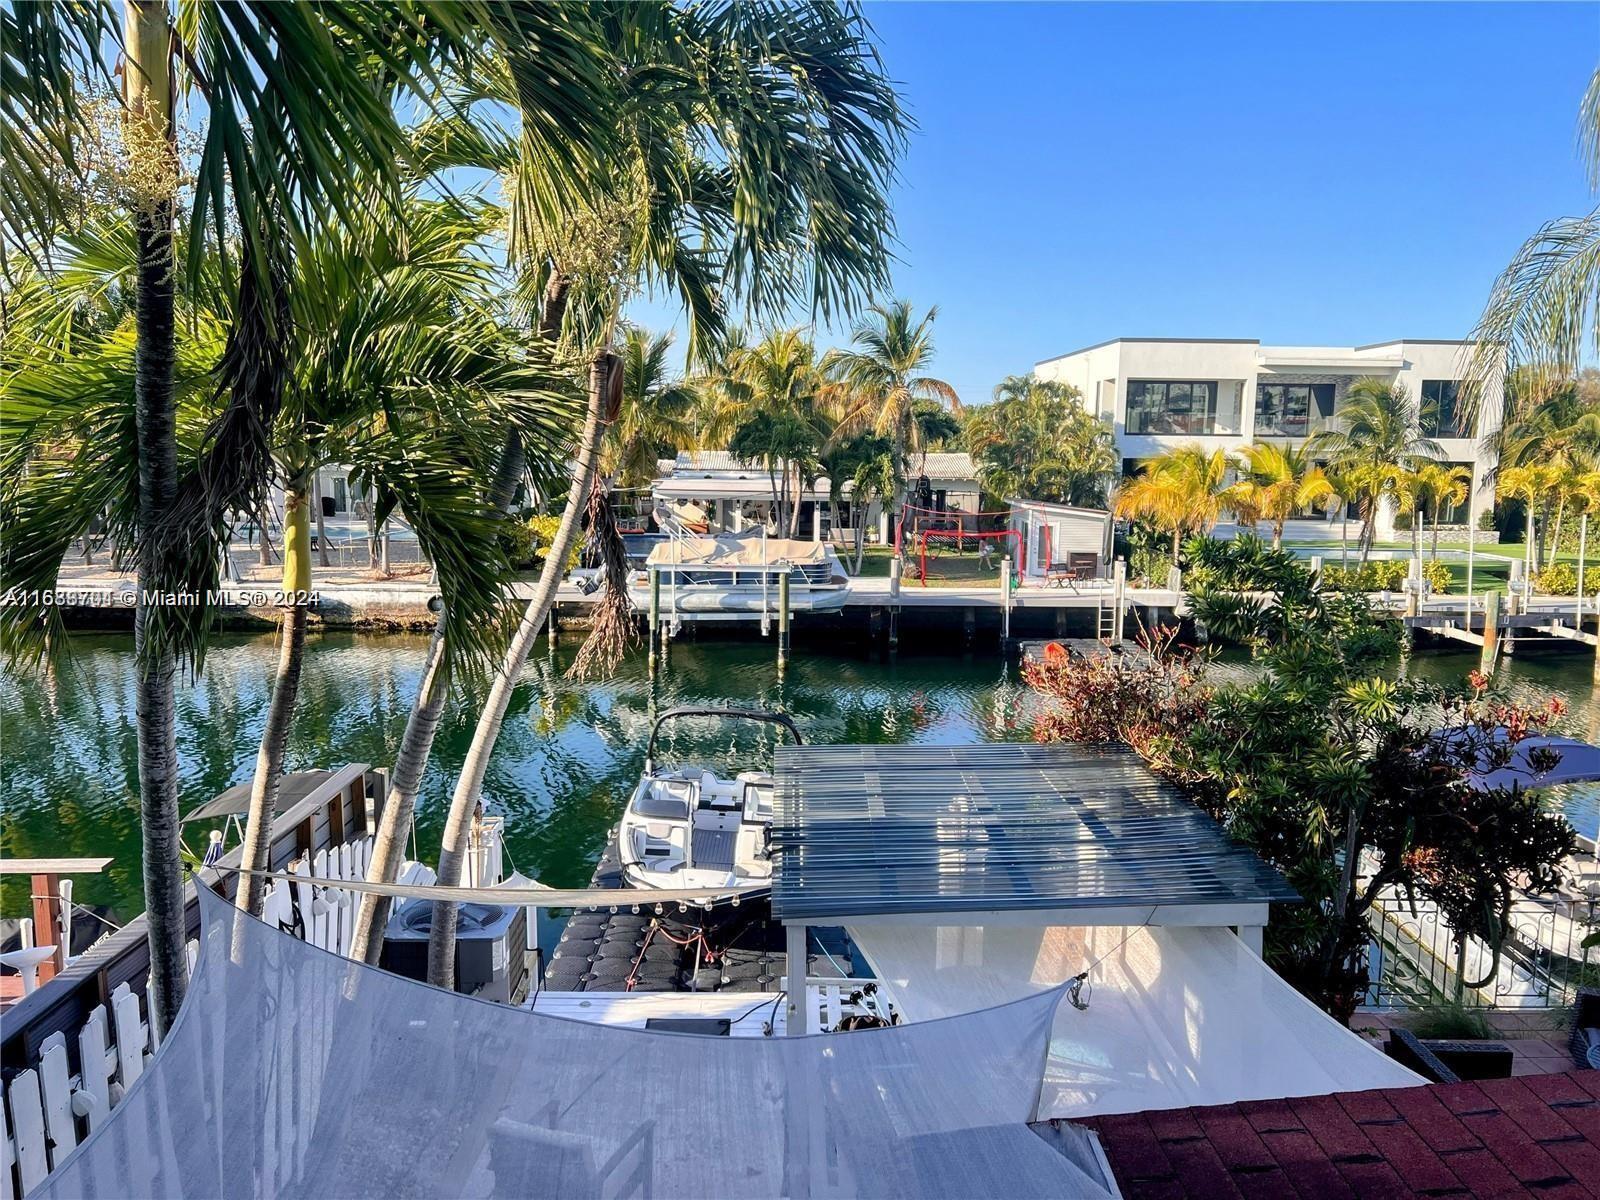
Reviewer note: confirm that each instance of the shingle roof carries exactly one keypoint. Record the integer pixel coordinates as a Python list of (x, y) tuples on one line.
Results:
[(1535, 1135)]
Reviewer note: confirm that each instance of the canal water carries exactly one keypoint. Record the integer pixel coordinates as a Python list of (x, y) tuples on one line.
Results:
[(567, 758)]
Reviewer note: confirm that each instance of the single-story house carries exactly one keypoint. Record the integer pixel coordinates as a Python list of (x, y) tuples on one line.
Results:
[(723, 494)]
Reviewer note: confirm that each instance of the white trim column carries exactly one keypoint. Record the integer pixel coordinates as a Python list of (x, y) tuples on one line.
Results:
[(796, 1009)]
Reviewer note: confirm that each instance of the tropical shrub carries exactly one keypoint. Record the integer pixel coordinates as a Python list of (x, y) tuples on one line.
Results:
[(1379, 575), (1318, 755), (1245, 591), (1437, 575), (537, 534), (1558, 579), (1119, 697)]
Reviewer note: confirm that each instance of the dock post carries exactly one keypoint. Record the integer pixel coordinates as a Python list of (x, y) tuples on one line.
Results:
[(895, 568), (1583, 553), (1491, 632), (795, 946), (783, 620), (969, 627), (551, 625), (894, 629), (1119, 600), (655, 617), (1005, 600)]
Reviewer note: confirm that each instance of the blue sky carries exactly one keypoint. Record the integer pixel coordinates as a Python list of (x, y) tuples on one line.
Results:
[(1300, 173)]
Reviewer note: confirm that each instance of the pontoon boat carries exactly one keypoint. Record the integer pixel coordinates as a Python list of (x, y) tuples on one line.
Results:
[(740, 574)]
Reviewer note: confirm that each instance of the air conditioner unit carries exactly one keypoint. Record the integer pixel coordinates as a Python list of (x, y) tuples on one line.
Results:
[(491, 943)]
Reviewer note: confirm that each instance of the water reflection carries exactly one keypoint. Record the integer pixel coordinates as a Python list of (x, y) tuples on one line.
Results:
[(568, 754)]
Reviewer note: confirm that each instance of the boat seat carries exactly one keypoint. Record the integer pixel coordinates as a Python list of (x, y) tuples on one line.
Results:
[(659, 846)]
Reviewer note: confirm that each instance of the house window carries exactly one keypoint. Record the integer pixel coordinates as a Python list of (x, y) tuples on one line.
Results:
[(1292, 409), (1171, 406), (1441, 413)]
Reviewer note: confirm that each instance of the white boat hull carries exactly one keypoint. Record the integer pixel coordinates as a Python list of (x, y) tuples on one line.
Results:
[(703, 599)]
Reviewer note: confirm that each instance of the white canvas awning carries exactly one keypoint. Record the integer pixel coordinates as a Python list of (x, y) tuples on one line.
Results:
[(294, 1072), (703, 488), (736, 552), (1176, 1017)]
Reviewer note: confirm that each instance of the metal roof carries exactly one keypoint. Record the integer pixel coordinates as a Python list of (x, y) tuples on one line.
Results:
[(862, 831)]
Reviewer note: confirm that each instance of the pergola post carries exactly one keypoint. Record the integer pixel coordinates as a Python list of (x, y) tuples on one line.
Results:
[(795, 1012), (1253, 937)]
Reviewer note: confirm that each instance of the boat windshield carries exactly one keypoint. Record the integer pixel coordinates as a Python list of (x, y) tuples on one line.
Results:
[(665, 800)]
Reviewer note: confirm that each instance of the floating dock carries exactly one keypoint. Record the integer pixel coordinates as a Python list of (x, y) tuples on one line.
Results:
[(726, 949)]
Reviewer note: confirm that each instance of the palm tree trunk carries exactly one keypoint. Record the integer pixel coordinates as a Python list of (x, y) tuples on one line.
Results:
[(148, 87), (898, 500), (458, 823), (285, 687), (389, 842), (422, 726), (1555, 538), (513, 461), (1177, 541), (1435, 551), (322, 529), (1277, 535)]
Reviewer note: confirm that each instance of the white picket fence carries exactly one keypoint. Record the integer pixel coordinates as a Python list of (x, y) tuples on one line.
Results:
[(47, 1110)]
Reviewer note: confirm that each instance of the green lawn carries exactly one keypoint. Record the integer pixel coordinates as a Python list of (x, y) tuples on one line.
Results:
[(945, 569), (1491, 569)]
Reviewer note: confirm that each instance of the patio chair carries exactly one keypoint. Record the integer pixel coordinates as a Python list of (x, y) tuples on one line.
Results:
[(1084, 565)]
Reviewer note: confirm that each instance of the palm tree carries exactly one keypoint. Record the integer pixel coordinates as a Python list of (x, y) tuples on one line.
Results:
[(881, 382), (1442, 486), (1380, 439), (657, 413), (1540, 321), (864, 462), (1532, 485), (276, 149), (1036, 440), (1277, 482), (1183, 492), (711, 99), (778, 381)]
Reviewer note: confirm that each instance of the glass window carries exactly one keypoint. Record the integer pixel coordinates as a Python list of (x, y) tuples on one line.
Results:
[(1292, 409), (1441, 417), (1163, 406)]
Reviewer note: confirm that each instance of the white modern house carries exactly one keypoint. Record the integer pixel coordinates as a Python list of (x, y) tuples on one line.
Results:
[(715, 490), (1226, 393)]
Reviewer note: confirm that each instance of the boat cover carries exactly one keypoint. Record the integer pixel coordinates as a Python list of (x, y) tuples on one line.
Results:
[(731, 552), (1176, 1016), (293, 1072)]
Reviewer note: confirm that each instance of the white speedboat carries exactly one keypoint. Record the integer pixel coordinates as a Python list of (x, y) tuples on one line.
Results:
[(730, 573), (686, 827)]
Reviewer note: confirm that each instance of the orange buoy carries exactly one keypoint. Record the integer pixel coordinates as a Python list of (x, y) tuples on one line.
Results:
[(1054, 652)]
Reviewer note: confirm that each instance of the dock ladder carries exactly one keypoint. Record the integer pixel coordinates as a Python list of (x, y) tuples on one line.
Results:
[(1105, 620)]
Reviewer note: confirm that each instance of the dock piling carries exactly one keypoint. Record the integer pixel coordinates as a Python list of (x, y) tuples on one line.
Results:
[(783, 620), (1005, 600), (655, 617), (1491, 632), (1119, 600)]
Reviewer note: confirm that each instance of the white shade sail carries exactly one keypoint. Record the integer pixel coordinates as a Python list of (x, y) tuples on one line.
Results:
[(293, 1072), (1176, 1017)]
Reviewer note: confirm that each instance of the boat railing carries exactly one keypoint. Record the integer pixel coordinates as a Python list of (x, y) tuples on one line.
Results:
[(71, 1048)]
